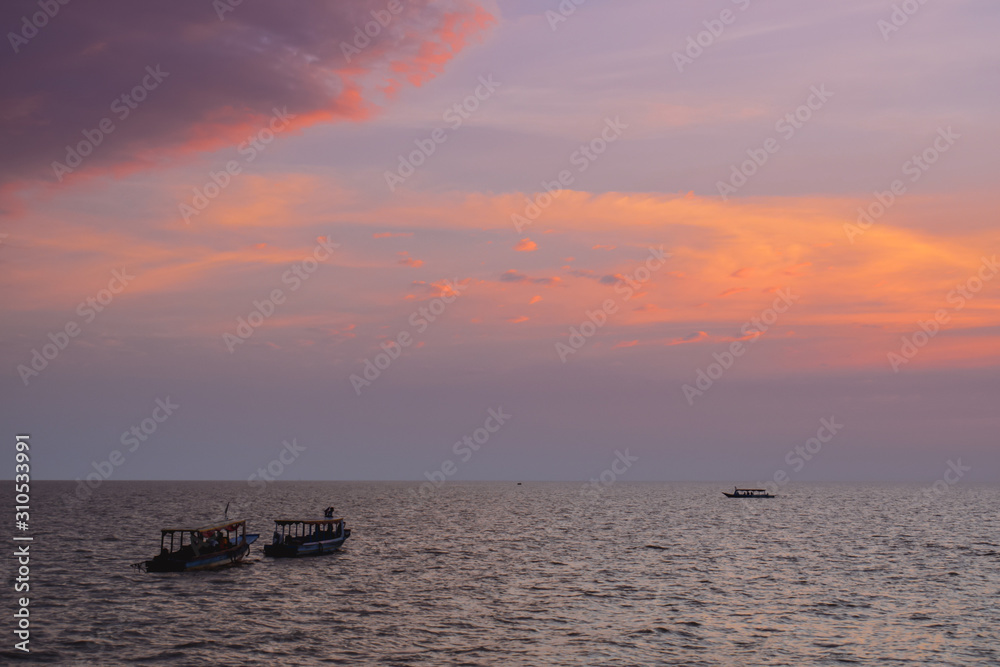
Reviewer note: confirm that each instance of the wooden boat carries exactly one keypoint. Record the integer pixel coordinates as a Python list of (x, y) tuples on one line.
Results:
[(748, 493), (294, 538), (216, 545)]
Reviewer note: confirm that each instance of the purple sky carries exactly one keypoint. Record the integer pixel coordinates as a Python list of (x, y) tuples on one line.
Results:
[(665, 233)]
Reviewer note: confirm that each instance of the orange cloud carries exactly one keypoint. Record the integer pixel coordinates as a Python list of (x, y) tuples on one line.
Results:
[(454, 33), (225, 83), (853, 301), (690, 338), (525, 245), (406, 260)]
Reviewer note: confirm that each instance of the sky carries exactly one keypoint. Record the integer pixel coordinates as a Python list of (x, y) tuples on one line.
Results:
[(458, 240)]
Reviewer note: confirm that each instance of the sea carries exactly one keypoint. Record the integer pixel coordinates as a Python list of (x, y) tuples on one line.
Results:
[(500, 573)]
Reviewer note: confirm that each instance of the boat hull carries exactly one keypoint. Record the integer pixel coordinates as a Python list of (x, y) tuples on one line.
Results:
[(733, 495), (209, 561), (295, 550)]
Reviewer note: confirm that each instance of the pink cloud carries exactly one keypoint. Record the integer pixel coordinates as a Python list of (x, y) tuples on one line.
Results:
[(207, 83), (690, 338), (512, 276), (406, 260)]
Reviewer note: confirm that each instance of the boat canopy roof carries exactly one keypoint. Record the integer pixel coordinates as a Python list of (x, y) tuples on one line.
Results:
[(761, 490), (229, 524), (311, 522)]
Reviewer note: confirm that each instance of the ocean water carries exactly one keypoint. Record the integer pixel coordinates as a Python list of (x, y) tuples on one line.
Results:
[(538, 574)]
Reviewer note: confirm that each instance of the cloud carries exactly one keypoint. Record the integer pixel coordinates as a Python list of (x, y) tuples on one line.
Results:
[(857, 299), (734, 290), (391, 235), (606, 279), (690, 338), (525, 245), (513, 276), (406, 260), (217, 81)]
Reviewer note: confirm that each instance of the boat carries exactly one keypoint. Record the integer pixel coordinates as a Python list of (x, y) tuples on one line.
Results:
[(748, 493), (294, 538), (203, 548)]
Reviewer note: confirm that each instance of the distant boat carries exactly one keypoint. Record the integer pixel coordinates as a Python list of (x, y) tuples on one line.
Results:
[(207, 547), (294, 538), (748, 493)]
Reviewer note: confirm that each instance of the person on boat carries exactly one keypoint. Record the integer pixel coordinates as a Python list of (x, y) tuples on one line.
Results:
[(275, 539)]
